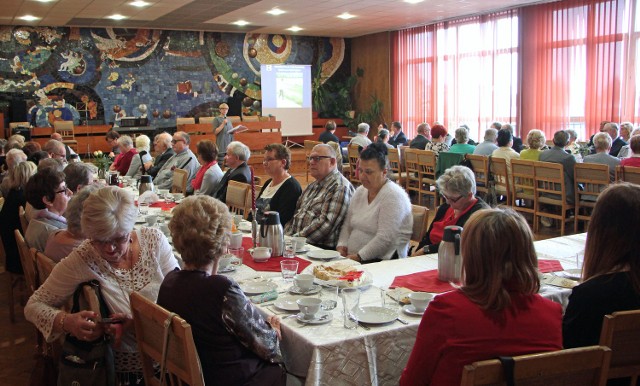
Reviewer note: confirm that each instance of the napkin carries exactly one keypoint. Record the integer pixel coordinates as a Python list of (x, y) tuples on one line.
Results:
[(545, 266), (271, 265), (425, 281), (148, 197)]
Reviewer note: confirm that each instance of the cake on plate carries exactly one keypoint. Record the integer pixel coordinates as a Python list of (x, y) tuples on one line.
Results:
[(342, 272)]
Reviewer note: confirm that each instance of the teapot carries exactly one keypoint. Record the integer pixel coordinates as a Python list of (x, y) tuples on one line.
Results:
[(449, 259), (271, 233)]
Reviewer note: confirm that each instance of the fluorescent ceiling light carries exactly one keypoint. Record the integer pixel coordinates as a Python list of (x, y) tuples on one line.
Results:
[(276, 12), (45, 1), (116, 16), (29, 18), (413, 1), (139, 3), (241, 23), (294, 28), (346, 16)]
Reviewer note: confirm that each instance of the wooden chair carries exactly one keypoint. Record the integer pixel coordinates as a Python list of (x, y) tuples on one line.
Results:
[(206, 120), (250, 118), (621, 333), (628, 174), (479, 165), (239, 198), (500, 172), (29, 280), (13, 125), (182, 362), (23, 219), (354, 155), (549, 194), (589, 181), (420, 222), (44, 265), (427, 160), (336, 147), (308, 146), (412, 182), (185, 121), (447, 159), (396, 174), (65, 129), (523, 186), (179, 181)]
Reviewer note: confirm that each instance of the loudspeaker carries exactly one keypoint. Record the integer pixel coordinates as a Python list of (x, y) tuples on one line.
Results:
[(23, 131)]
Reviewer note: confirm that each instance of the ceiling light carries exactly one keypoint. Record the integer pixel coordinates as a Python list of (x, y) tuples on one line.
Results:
[(116, 16), (294, 28), (276, 12), (139, 3), (29, 18), (241, 23), (45, 1), (346, 16), (413, 1)]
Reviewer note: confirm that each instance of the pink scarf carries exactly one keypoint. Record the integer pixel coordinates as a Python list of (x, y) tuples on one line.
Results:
[(196, 183)]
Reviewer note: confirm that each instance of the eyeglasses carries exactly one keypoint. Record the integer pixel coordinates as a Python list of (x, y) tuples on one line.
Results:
[(174, 141), (317, 158), (64, 190), (451, 199), (58, 155), (116, 241), (267, 160)]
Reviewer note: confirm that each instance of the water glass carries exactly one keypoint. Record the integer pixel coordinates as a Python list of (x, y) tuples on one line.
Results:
[(579, 259), (238, 253), (289, 269), (143, 208), (329, 297), (289, 249), (350, 301)]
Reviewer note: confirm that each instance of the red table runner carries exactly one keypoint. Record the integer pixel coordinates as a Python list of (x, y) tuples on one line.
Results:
[(545, 266), (163, 205), (271, 265)]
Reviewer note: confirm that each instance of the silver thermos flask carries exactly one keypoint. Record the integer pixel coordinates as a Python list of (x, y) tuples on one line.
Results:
[(271, 233), (449, 259), (146, 183)]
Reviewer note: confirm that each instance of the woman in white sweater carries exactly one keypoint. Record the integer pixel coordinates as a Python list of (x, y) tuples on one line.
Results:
[(379, 222)]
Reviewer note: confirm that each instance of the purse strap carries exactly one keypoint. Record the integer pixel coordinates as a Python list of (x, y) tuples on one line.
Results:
[(508, 365), (165, 345)]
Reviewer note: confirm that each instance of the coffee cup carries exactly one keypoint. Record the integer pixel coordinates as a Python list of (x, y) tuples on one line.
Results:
[(235, 240), (224, 261), (151, 220), (309, 307), (304, 281), (163, 193), (419, 300), (261, 254), (299, 242)]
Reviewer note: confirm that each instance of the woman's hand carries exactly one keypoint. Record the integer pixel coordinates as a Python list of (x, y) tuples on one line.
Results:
[(82, 325), (117, 329), (342, 251), (274, 322)]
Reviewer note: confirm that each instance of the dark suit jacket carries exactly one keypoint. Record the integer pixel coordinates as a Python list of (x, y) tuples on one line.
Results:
[(327, 136), (159, 162), (616, 146), (241, 174), (398, 140), (517, 144), (419, 142)]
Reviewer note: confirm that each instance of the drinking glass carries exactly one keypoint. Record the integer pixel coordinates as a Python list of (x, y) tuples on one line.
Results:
[(289, 269), (350, 301), (238, 253), (289, 249), (143, 208), (329, 297)]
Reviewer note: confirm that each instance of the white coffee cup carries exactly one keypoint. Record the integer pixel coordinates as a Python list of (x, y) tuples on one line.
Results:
[(163, 193), (419, 300), (151, 219), (224, 261), (299, 242), (303, 281), (309, 307), (261, 254), (235, 240)]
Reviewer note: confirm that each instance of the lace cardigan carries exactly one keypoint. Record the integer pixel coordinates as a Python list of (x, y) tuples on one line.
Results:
[(84, 264)]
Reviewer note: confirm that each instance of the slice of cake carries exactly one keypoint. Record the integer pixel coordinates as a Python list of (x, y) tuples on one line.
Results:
[(345, 274)]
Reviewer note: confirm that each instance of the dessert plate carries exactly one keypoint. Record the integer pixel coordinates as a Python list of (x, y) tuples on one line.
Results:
[(313, 290), (287, 303), (374, 315), (257, 287), (323, 255)]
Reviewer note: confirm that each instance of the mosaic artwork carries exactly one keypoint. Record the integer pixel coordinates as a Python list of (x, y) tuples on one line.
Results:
[(99, 74)]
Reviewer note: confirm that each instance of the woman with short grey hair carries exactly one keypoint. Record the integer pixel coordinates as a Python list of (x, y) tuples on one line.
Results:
[(142, 146), (462, 145), (536, 141), (457, 186), (127, 152), (122, 260)]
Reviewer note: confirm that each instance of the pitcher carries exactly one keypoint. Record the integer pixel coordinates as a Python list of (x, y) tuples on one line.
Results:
[(449, 259)]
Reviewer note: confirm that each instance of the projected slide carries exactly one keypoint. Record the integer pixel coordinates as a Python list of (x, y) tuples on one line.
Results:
[(286, 93)]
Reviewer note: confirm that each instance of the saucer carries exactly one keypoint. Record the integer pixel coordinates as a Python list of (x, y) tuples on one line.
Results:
[(313, 290), (411, 310), (321, 317), (228, 268), (303, 250)]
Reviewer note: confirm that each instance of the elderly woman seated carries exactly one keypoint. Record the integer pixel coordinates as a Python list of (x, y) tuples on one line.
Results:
[(122, 260), (47, 193), (209, 174), (462, 145), (458, 188), (137, 161), (78, 175), (62, 241), (235, 344), (379, 222), (497, 310), (536, 141), (438, 140), (383, 138), (634, 159), (127, 152)]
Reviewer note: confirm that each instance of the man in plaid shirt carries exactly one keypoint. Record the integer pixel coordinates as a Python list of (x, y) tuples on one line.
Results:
[(323, 206)]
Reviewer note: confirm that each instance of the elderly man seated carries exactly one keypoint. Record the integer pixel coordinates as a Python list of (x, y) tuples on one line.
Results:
[(56, 150), (617, 142), (322, 208), (557, 155), (236, 157), (182, 159), (424, 134), (69, 151), (602, 143), (361, 139), (162, 147)]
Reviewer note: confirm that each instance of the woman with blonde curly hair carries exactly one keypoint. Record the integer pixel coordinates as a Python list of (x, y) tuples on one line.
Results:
[(235, 344), (536, 141)]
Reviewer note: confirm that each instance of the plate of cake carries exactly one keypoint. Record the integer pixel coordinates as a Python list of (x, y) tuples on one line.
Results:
[(344, 273)]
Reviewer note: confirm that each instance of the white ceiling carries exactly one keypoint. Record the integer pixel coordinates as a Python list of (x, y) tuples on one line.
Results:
[(316, 17)]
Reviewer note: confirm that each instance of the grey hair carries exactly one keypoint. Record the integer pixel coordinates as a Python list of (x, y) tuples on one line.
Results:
[(107, 212), (142, 143), (50, 163), (52, 145), (331, 150), (73, 214), (240, 150), (383, 133), (363, 127), (125, 140), (184, 136), (536, 139), (76, 174), (602, 141), (457, 180), (491, 134), (165, 138), (573, 135), (462, 135), (508, 127), (423, 127), (613, 126), (14, 157)]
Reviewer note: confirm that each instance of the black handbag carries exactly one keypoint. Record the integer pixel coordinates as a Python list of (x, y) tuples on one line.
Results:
[(87, 363)]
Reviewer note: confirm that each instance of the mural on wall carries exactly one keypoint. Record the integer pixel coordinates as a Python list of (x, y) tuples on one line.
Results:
[(86, 74)]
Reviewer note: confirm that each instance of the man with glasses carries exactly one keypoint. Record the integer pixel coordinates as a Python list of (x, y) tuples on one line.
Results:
[(236, 156), (56, 150), (162, 147), (68, 151), (323, 206), (182, 159)]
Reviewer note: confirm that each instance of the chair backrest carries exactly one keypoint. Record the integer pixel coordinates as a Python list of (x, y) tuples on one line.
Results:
[(234, 118), (45, 266), (479, 166), (354, 155), (628, 174), (447, 159), (185, 121), (309, 145), (549, 177), (522, 178), (427, 162), (179, 181), (23, 219), (420, 218), (182, 361), (590, 180), (250, 118), (394, 164), (500, 172), (65, 128), (206, 120), (578, 366), (621, 333), (402, 149), (28, 261), (13, 125), (239, 198)]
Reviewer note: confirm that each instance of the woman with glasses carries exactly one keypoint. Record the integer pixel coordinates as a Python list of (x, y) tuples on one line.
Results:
[(457, 186), (122, 260), (379, 222), (47, 192), (281, 191), (209, 174)]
